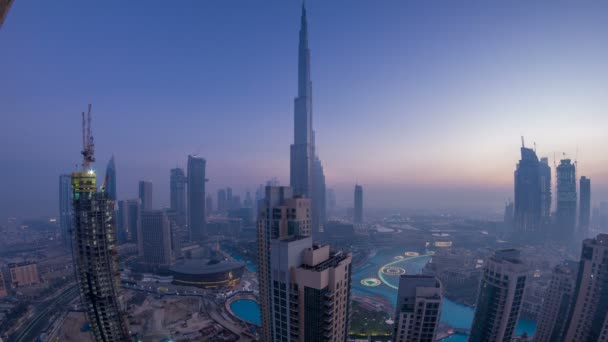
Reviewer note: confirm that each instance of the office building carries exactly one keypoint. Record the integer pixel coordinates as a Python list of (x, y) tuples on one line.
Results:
[(94, 251), (358, 209), (500, 297), (527, 213), (310, 291), (281, 215), (545, 191), (584, 208), (587, 321), (154, 241), (318, 198), (222, 206), (557, 303), (302, 149), (129, 220), (177, 188), (110, 180), (145, 195), (418, 309), (24, 274), (566, 200), (65, 210), (196, 198)]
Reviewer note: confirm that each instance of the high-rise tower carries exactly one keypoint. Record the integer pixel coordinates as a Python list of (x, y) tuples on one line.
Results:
[(418, 308), (145, 195), (319, 208), (566, 200), (196, 198), (358, 213), (94, 249), (65, 210), (302, 149), (527, 215), (177, 185), (110, 180), (584, 208), (545, 191)]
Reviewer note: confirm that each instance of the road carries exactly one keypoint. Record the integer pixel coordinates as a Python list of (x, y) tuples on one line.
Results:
[(40, 320)]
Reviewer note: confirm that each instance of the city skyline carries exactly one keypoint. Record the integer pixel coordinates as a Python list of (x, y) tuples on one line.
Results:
[(372, 96)]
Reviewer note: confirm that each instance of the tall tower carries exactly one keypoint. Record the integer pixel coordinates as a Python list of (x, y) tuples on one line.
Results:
[(95, 254), (177, 186), (587, 320), (196, 198), (545, 191), (65, 210), (527, 215), (566, 200), (110, 181), (145, 195), (556, 303), (281, 215), (358, 213), (302, 149), (584, 209), (155, 244), (319, 208), (418, 308), (500, 296)]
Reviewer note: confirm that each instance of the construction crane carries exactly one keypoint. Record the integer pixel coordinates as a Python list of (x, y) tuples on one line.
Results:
[(88, 147)]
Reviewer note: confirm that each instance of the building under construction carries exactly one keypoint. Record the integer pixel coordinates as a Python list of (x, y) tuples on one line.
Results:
[(94, 249)]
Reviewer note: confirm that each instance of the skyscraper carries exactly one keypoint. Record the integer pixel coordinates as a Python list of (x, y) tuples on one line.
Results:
[(302, 149), (500, 295), (545, 191), (155, 239), (587, 320), (110, 181), (94, 250), (65, 210), (318, 197), (527, 214), (222, 206), (129, 220), (358, 211), (418, 309), (557, 303), (281, 215), (310, 291), (145, 195), (584, 209), (196, 198), (177, 184), (566, 200)]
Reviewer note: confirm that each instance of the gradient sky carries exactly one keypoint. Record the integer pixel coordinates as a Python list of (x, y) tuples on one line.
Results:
[(423, 102)]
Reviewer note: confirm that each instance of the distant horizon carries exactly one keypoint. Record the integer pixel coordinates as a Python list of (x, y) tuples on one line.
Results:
[(422, 104)]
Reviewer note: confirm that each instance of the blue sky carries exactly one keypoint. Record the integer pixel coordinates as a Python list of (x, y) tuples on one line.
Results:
[(423, 102)]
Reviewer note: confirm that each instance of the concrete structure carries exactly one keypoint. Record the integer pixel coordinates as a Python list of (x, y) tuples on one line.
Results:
[(500, 297), (177, 188), (566, 200), (302, 150), (110, 180), (527, 213), (418, 308), (281, 215), (23, 274), (145, 195), (584, 208), (65, 210), (545, 191), (196, 198), (588, 317), (557, 303), (358, 209), (154, 239), (129, 220), (310, 289), (94, 250)]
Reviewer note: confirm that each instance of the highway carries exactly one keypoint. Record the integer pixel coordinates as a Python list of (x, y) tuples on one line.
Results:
[(40, 320)]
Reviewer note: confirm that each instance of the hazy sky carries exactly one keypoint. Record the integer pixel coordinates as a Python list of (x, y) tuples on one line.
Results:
[(423, 102)]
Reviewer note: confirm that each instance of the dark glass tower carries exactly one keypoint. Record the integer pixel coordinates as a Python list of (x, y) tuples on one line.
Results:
[(358, 213), (177, 184), (584, 209), (145, 195), (110, 181), (527, 213), (196, 198), (545, 191), (566, 200)]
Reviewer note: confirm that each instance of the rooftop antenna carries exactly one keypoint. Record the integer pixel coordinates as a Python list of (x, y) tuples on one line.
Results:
[(88, 147), (522, 141)]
